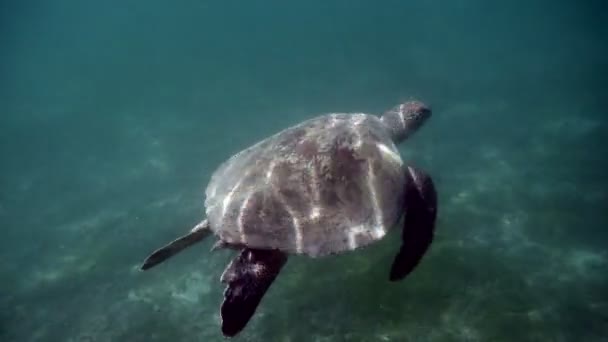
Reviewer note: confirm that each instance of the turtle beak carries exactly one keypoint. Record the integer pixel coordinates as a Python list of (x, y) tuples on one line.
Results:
[(416, 111)]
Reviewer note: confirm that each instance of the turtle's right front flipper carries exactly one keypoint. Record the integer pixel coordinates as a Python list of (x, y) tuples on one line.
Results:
[(248, 277), (419, 222), (198, 233)]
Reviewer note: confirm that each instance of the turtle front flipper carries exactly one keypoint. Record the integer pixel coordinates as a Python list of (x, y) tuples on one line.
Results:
[(419, 222), (198, 233), (248, 277)]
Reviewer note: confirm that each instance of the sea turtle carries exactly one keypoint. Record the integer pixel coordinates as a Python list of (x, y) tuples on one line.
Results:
[(328, 185)]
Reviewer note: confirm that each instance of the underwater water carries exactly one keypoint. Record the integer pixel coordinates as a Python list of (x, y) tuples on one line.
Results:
[(114, 114)]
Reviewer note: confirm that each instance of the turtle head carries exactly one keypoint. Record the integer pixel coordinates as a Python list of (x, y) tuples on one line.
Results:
[(405, 119)]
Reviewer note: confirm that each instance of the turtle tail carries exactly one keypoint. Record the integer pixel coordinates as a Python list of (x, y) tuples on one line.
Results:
[(198, 233)]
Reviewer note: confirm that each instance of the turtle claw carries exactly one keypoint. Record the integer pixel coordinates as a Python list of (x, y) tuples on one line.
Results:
[(419, 223), (197, 234), (248, 277)]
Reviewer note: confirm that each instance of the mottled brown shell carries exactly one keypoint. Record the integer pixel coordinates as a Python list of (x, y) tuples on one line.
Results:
[(328, 185)]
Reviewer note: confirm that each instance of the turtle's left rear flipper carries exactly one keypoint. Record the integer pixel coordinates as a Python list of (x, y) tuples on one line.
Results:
[(248, 277), (419, 222), (198, 233)]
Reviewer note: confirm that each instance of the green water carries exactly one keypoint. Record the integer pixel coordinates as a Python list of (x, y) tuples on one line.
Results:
[(114, 114)]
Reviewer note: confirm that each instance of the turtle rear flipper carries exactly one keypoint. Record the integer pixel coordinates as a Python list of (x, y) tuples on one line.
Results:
[(419, 222), (198, 233), (248, 277)]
